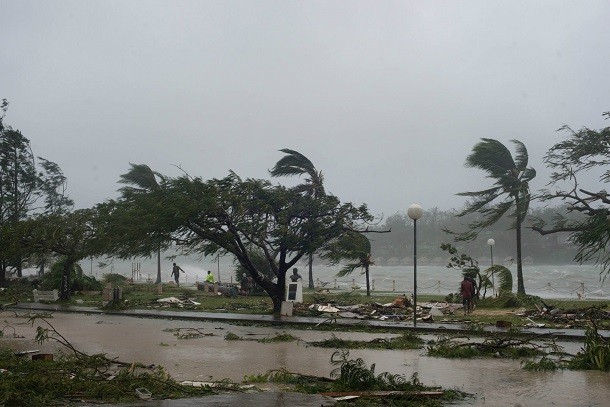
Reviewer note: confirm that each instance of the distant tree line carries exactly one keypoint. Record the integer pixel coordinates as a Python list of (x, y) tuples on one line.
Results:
[(547, 249)]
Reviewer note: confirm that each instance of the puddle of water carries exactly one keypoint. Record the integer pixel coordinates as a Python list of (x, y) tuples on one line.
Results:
[(496, 382)]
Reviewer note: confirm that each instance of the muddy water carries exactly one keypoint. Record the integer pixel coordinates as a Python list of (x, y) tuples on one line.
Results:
[(495, 382)]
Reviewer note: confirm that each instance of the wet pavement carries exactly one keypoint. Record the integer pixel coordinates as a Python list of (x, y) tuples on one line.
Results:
[(425, 327)]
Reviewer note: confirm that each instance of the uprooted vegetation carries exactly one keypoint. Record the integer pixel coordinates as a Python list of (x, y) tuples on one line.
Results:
[(66, 378), (71, 378), (504, 345), (407, 340), (352, 378), (594, 355), (278, 337), (541, 352)]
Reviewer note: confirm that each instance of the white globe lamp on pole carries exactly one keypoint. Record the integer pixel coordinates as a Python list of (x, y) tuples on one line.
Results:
[(415, 212)]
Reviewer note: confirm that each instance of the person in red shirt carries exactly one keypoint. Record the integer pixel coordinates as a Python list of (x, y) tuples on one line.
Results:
[(467, 291)]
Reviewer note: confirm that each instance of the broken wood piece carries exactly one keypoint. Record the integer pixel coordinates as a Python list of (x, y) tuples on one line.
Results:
[(394, 393)]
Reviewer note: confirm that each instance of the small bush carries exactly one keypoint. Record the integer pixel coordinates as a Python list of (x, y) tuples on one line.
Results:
[(114, 279)]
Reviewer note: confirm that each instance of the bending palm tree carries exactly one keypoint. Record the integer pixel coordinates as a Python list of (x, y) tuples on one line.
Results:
[(141, 180), (512, 178), (355, 247), (295, 163)]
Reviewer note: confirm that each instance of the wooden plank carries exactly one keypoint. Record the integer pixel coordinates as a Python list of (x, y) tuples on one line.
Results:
[(414, 394)]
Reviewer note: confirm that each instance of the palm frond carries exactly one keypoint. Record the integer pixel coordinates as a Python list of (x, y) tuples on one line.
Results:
[(503, 277), (521, 156), (491, 156), (348, 269), (528, 174), (296, 164), (293, 163), (479, 203), (140, 178)]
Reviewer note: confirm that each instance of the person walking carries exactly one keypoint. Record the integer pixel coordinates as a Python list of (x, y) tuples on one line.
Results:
[(475, 293), (176, 273), (467, 290)]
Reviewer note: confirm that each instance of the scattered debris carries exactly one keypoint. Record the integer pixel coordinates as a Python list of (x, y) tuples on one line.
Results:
[(503, 324), (219, 385), (351, 395), (566, 317), (143, 394), (170, 300), (399, 309), (26, 352), (324, 308), (173, 301), (401, 302)]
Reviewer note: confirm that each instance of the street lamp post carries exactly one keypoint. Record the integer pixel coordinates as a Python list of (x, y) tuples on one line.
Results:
[(415, 212), (491, 244)]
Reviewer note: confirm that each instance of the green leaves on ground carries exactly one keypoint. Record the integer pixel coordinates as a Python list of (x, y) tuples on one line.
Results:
[(405, 341), (73, 378)]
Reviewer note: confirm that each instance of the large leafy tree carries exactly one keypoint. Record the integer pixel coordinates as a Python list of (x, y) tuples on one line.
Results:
[(19, 187), (236, 216), (72, 236), (509, 194), (582, 151), (140, 179), (296, 164), (24, 189)]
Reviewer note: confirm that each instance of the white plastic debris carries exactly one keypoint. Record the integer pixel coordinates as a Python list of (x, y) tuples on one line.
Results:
[(170, 300), (323, 308)]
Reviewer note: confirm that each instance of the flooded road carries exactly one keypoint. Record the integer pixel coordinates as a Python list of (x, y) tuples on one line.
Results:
[(496, 382)]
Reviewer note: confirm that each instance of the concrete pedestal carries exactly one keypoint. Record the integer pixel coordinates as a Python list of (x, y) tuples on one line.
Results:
[(294, 291), (286, 308)]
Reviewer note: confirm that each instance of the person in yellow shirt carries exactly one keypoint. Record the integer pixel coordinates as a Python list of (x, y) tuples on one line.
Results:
[(209, 280)]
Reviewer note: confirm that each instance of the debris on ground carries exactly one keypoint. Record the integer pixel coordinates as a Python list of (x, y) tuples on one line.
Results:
[(400, 309), (566, 317), (324, 308), (169, 300), (177, 302)]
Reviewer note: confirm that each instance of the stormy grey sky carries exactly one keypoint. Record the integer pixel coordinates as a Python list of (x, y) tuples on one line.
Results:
[(387, 98)]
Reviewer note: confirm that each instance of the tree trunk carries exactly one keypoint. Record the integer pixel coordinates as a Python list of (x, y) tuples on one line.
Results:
[(311, 270), (158, 281), (520, 285), (64, 294), (276, 293), (2, 274), (368, 285)]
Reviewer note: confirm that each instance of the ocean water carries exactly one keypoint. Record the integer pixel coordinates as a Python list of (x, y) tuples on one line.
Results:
[(548, 281)]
